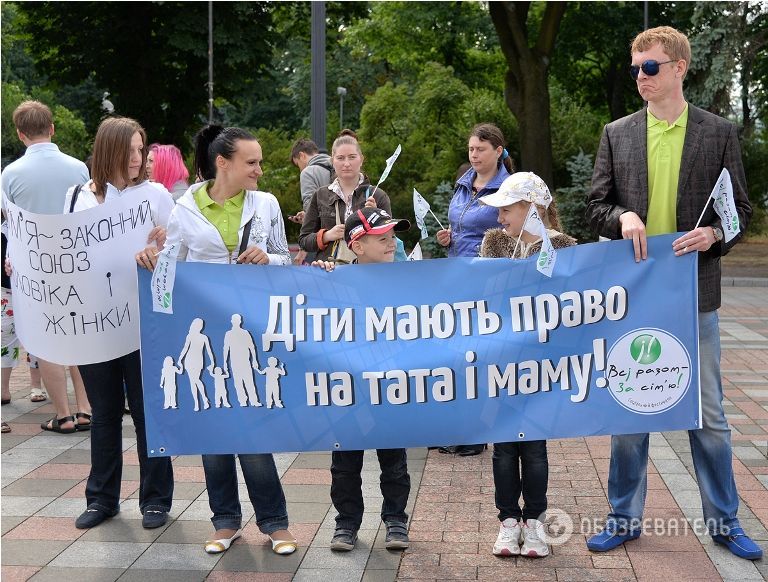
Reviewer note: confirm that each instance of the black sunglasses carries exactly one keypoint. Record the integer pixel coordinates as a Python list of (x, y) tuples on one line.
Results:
[(650, 68)]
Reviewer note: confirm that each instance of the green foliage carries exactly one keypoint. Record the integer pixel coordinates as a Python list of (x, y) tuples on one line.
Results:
[(572, 201), (755, 154)]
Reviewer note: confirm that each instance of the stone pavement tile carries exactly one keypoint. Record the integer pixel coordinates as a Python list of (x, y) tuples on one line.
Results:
[(45, 528), (365, 538), (136, 575), (246, 558), (23, 429), (30, 552), (20, 506), (60, 507), (200, 510), (307, 493), (29, 456), (219, 576), (53, 441), (306, 477), (610, 561), (188, 532), (383, 560), (322, 557), (324, 575), (17, 573), (10, 522), (659, 498), (755, 499), (313, 461), (12, 440), (13, 470), (39, 487), (654, 566), (130, 458), (444, 525), (649, 542), (176, 557), (188, 474), (508, 570), (188, 461), (438, 572), (731, 567), (379, 576), (121, 530), (443, 548), (100, 554), (748, 483), (308, 512), (603, 575), (73, 456), (680, 482), (54, 470), (82, 574), (190, 491)]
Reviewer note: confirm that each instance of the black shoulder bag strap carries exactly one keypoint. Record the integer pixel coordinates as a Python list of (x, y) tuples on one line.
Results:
[(74, 198)]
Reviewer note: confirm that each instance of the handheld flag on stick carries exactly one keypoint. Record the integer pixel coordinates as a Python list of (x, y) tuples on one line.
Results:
[(390, 162), (724, 205), (420, 209), (545, 263), (416, 253)]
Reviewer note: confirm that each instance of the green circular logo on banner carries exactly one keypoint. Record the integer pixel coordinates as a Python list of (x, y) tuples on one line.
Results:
[(735, 223), (166, 300), (645, 349)]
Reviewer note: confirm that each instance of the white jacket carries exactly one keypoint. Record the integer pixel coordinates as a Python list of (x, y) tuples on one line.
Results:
[(160, 200), (192, 237)]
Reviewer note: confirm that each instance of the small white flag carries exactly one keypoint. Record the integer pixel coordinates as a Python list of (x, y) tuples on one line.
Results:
[(420, 209), (722, 196), (545, 263), (416, 253), (390, 162)]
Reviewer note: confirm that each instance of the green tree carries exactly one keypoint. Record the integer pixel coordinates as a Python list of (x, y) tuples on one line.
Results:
[(528, 43), (152, 56)]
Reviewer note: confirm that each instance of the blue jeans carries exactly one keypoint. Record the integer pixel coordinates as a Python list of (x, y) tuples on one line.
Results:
[(264, 490), (107, 384), (347, 482), (710, 448), (507, 458)]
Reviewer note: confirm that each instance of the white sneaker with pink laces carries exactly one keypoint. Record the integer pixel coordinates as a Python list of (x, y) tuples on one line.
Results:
[(508, 540), (534, 535)]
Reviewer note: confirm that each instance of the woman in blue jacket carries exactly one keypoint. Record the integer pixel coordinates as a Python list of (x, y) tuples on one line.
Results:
[(469, 219)]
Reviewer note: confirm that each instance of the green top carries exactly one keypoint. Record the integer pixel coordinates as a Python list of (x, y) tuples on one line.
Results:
[(226, 217), (665, 150)]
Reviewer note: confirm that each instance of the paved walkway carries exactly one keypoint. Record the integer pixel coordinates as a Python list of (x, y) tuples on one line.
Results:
[(453, 516)]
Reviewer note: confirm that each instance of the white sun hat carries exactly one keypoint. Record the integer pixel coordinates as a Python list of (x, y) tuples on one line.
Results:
[(520, 186)]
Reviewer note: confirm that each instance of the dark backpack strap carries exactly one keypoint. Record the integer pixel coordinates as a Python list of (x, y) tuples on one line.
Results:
[(74, 198), (246, 236)]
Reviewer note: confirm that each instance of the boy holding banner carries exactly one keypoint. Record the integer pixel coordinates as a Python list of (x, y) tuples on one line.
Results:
[(654, 174), (524, 202), (370, 234)]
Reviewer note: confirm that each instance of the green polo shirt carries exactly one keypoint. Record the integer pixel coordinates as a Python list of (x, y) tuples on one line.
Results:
[(226, 217), (665, 150)]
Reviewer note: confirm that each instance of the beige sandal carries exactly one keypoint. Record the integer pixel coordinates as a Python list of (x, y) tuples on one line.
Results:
[(221, 545), (283, 547)]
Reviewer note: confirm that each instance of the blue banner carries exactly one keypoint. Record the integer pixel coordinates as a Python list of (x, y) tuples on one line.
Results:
[(435, 352)]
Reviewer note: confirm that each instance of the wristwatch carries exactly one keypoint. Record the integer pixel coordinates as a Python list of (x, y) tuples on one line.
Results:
[(718, 234)]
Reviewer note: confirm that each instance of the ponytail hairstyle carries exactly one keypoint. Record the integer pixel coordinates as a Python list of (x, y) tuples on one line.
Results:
[(345, 139), (112, 153), (349, 133), (492, 134), (549, 216), (213, 141)]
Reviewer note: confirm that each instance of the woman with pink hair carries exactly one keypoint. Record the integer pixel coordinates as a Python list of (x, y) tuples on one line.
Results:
[(168, 169)]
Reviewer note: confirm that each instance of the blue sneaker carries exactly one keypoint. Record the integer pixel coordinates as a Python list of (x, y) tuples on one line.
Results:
[(610, 538), (740, 544)]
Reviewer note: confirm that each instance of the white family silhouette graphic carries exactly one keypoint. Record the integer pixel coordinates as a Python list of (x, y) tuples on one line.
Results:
[(239, 351)]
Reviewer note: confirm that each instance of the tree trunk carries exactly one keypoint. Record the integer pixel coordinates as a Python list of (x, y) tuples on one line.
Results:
[(526, 89)]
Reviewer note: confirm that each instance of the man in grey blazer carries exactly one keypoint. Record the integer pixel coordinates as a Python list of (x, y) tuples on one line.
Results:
[(654, 172)]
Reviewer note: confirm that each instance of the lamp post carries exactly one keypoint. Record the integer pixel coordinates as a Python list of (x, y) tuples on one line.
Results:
[(341, 91), (317, 77)]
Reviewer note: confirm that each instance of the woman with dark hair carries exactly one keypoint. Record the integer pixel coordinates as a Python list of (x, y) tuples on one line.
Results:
[(226, 219), (117, 170), (322, 231), (469, 219)]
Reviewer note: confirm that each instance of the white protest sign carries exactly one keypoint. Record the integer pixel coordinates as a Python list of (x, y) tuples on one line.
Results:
[(390, 162), (74, 280)]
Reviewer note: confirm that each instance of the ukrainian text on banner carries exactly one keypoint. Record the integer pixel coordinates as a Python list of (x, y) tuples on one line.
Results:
[(448, 351), (74, 280)]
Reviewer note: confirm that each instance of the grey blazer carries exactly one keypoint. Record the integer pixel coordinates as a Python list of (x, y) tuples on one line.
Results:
[(620, 184)]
